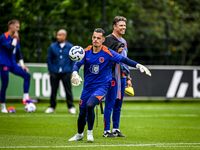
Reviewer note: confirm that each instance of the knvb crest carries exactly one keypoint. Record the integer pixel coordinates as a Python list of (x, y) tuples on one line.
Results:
[(94, 69)]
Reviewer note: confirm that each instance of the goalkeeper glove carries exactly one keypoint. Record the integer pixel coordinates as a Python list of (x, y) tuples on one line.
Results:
[(143, 69), (76, 79)]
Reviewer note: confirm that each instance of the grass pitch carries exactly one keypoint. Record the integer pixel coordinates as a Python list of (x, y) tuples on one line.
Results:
[(146, 126)]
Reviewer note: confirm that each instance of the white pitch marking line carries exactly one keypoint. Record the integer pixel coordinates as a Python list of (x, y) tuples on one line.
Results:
[(163, 115), (132, 108), (131, 116), (125, 145), (177, 146)]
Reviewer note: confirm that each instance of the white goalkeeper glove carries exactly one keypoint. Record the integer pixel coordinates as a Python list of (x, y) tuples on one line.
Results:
[(76, 79), (143, 69)]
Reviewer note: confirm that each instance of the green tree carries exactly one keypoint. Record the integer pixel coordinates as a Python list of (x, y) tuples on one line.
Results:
[(146, 27)]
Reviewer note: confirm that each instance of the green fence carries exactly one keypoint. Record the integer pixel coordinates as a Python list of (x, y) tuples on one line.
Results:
[(167, 82)]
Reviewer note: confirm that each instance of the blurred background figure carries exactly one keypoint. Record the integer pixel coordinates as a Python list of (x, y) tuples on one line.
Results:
[(9, 49), (60, 68)]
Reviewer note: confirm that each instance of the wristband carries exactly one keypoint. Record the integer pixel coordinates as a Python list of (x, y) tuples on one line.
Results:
[(129, 79), (14, 42), (21, 62)]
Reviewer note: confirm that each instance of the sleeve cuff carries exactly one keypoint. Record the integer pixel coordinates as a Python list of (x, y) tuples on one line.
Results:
[(14, 42), (21, 62)]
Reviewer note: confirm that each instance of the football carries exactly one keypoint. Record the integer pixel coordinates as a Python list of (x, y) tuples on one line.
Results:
[(30, 108), (76, 53)]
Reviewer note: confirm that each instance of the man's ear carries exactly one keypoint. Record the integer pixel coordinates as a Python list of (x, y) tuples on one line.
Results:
[(114, 26), (103, 39)]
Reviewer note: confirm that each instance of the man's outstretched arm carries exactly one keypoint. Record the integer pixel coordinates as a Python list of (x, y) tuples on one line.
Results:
[(136, 65)]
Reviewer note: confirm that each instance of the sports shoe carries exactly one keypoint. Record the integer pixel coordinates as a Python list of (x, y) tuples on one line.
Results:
[(77, 137), (90, 136), (29, 101), (72, 110), (117, 133), (108, 134), (4, 110), (50, 110)]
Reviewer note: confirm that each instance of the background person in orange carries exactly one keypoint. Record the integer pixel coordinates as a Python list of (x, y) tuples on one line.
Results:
[(9, 50)]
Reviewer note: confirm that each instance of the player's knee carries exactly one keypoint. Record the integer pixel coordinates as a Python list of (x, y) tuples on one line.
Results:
[(81, 117), (82, 112), (27, 76), (92, 102), (4, 85), (90, 107)]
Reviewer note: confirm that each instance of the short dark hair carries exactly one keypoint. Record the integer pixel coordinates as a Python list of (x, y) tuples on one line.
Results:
[(13, 22), (100, 30), (118, 18)]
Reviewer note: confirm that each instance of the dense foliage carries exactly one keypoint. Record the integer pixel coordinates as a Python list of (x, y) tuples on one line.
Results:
[(158, 31)]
